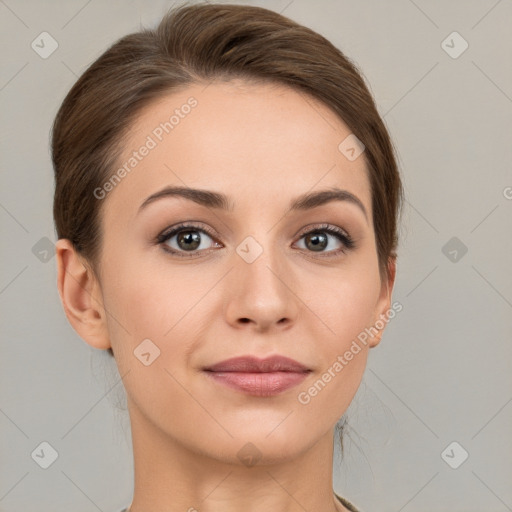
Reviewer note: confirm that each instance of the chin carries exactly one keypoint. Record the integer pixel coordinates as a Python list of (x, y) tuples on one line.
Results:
[(253, 447)]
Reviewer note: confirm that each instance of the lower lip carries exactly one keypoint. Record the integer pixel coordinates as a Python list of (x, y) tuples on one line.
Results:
[(259, 384)]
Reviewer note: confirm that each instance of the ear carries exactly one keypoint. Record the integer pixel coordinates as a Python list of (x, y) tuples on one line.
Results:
[(384, 303), (81, 296)]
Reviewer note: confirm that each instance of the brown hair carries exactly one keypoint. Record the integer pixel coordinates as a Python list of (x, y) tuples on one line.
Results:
[(193, 44)]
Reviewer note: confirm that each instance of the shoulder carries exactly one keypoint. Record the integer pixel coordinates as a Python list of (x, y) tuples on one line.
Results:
[(345, 503)]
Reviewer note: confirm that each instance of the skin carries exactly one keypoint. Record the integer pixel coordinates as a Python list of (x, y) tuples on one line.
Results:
[(262, 145)]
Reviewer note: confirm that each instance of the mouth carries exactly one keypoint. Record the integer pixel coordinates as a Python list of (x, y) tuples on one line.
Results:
[(258, 377)]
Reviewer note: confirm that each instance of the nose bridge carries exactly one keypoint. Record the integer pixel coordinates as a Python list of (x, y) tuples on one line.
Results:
[(258, 283), (258, 243), (260, 261)]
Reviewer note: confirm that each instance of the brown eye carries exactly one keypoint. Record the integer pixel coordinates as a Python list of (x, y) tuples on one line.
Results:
[(184, 239), (316, 241), (188, 240)]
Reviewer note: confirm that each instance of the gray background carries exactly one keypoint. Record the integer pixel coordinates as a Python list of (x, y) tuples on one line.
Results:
[(443, 370)]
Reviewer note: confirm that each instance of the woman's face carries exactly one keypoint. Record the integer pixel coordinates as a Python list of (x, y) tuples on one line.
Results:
[(243, 278)]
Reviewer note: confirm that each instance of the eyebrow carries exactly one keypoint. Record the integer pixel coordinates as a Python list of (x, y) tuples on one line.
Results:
[(220, 201)]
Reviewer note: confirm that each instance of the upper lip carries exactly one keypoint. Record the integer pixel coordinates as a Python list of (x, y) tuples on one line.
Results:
[(251, 364)]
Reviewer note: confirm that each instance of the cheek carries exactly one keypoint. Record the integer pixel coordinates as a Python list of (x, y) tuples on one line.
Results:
[(347, 350), (147, 302), (345, 303), (147, 322), (135, 300), (356, 311), (326, 397)]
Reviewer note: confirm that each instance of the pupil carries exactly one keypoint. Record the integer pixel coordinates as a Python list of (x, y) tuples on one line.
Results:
[(319, 241), (189, 237)]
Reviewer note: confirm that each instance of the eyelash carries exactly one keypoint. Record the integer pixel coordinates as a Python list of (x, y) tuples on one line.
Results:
[(341, 235)]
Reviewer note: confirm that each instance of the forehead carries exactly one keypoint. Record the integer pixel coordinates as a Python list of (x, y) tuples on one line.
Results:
[(255, 142)]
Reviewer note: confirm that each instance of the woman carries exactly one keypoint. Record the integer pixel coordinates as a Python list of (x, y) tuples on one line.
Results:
[(226, 205)]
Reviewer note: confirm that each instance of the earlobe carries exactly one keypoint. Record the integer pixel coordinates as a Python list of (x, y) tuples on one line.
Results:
[(384, 302), (81, 296)]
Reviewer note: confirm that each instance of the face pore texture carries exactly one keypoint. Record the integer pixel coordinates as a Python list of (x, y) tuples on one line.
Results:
[(262, 145)]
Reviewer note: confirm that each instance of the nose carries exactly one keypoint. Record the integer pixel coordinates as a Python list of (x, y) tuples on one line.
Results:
[(262, 294)]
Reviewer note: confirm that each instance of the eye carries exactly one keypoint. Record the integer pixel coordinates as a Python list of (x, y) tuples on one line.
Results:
[(188, 239), (317, 240)]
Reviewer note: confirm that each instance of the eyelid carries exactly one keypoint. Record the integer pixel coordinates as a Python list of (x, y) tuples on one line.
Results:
[(183, 226), (311, 228)]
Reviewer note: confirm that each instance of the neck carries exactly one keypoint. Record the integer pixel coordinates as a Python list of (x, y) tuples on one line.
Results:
[(172, 477)]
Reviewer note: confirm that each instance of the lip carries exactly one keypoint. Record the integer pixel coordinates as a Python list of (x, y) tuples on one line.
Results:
[(258, 377), (252, 364)]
